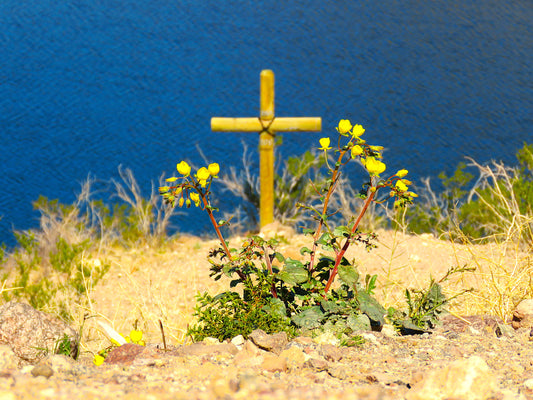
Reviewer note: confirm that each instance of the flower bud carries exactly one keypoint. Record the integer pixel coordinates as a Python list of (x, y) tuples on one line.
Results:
[(357, 131), (184, 168), (344, 126), (356, 151), (213, 169)]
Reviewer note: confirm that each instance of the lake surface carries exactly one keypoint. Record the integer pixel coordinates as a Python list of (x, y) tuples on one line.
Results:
[(86, 86)]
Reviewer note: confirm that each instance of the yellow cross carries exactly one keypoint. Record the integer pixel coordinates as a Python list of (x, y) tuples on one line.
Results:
[(267, 125)]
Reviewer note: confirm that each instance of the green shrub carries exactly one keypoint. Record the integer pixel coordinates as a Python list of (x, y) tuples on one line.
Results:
[(276, 293)]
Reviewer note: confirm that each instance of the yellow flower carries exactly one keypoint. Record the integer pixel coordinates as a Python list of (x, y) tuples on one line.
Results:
[(376, 148), (356, 151), (324, 142), (181, 201), (373, 166), (203, 174), (98, 360), (214, 169), (344, 126), (196, 198), (358, 130), (184, 168), (136, 336), (411, 194), (163, 189), (402, 187), (401, 173), (173, 179)]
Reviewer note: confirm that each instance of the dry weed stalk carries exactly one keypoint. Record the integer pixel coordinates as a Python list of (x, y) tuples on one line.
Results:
[(499, 180), (153, 218)]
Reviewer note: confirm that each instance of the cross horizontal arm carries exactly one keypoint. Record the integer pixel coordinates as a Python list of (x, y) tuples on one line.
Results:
[(280, 124)]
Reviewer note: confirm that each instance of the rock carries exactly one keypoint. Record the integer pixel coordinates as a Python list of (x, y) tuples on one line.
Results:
[(274, 343), (8, 359), (249, 356), (330, 352), (295, 357), (32, 334), (125, 354), (238, 341), (469, 379), (317, 364), (42, 370), (523, 315), (273, 363)]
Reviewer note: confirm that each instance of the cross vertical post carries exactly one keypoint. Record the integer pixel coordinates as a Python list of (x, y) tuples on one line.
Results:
[(267, 125), (266, 149)]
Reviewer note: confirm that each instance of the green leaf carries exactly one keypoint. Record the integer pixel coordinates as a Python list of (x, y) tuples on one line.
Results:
[(341, 231), (358, 322), (305, 250), (370, 306), (294, 273), (279, 257), (348, 274), (309, 318), (276, 308)]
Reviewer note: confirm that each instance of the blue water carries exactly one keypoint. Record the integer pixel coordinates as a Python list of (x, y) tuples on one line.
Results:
[(88, 85)]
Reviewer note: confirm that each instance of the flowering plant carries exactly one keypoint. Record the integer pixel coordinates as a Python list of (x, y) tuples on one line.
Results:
[(282, 293)]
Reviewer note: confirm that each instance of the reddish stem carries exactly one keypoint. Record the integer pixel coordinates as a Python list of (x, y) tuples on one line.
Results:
[(334, 178), (219, 234), (340, 255)]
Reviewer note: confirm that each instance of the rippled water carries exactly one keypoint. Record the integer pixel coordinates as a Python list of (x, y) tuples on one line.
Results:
[(87, 86)]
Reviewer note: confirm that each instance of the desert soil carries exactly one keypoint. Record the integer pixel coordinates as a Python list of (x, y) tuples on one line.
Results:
[(148, 285)]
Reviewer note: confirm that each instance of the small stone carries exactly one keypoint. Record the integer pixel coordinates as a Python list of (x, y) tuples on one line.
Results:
[(295, 357), (42, 370), (273, 363), (327, 338), (330, 352), (469, 379), (523, 314), (210, 340), (238, 341), (124, 354), (389, 331), (339, 371), (317, 364), (249, 356), (274, 343)]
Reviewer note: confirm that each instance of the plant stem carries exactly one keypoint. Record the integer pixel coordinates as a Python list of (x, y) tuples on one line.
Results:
[(269, 266), (340, 255), (219, 234), (331, 189)]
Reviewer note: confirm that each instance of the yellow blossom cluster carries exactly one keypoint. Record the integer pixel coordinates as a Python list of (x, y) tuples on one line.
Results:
[(180, 194), (371, 158)]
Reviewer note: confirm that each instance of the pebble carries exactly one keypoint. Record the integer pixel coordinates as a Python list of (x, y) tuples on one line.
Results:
[(42, 370)]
